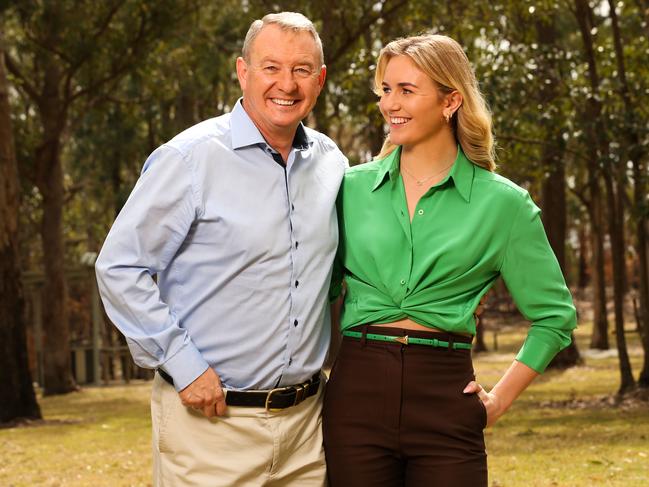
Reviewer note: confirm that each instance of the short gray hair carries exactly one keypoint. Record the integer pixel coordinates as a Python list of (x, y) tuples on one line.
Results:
[(287, 21)]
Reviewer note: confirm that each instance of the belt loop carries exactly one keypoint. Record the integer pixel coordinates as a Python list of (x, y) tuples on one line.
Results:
[(363, 335), (451, 342)]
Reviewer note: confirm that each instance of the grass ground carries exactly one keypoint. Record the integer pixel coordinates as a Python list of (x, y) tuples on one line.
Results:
[(559, 433)]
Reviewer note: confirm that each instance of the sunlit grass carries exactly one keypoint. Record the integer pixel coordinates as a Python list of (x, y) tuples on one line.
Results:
[(101, 436)]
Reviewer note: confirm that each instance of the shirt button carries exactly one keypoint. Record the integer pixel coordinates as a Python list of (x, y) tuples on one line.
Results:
[(290, 361), (296, 244), (421, 212), (403, 281), (297, 283), (295, 323), (292, 207)]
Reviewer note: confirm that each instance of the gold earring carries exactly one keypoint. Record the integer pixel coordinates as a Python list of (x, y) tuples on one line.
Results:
[(447, 116)]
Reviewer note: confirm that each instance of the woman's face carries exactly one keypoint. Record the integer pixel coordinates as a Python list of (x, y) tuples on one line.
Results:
[(411, 103)]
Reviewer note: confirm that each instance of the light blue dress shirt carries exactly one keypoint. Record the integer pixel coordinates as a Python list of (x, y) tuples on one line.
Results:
[(242, 248)]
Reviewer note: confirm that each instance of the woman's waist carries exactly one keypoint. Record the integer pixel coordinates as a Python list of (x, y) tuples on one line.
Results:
[(444, 320), (409, 324)]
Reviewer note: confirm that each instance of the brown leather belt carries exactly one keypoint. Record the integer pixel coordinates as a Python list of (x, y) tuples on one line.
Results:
[(274, 399)]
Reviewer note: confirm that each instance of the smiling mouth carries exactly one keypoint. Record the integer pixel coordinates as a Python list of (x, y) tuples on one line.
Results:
[(398, 120), (283, 103)]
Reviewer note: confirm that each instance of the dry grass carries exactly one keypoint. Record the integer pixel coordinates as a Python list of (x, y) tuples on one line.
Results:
[(559, 433)]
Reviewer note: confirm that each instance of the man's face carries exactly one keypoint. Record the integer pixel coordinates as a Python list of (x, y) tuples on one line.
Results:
[(281, 81)]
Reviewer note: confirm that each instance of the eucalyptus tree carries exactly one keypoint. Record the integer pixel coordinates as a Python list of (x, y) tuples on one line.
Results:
[(16, 391)]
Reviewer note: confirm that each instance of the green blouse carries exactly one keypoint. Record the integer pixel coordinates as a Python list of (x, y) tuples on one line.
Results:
[(467, 230)]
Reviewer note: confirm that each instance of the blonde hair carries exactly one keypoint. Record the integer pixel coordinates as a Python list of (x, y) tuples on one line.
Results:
[(287, 21), (444, 61)]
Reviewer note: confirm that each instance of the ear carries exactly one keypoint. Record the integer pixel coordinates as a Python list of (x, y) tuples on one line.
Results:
[(242, 72), (322, 76), (453, 101)]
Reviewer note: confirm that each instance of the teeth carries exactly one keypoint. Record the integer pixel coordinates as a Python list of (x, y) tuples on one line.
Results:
[(286, 103), (398, 120)]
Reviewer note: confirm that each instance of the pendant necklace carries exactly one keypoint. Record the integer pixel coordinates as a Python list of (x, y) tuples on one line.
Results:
[(420, 182)]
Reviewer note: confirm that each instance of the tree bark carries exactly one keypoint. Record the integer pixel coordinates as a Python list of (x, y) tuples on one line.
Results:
[(583, 279), (18, 398), (57, 374), (554, 220), (599, 336)]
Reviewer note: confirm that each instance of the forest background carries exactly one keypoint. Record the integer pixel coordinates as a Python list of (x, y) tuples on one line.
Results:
[(89, 89)]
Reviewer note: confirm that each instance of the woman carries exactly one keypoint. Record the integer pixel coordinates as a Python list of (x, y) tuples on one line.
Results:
[(426, 229)]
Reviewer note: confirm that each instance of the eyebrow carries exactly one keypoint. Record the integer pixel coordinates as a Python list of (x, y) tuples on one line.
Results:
[(402, 84), (302, 62)]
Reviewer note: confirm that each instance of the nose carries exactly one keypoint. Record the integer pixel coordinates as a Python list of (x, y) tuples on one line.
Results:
[(389, 102), (286, 81)]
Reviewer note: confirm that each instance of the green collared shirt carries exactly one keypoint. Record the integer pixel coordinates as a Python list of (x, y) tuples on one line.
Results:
[(467, 230)]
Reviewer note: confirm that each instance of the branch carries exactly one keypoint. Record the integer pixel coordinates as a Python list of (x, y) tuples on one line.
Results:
[(47, 47), (72, 191), (94, 38), (117, 71), (580, 196), (354, 36), (23, 82)]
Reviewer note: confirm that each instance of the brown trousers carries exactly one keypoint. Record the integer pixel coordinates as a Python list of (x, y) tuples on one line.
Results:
[(395, 415)]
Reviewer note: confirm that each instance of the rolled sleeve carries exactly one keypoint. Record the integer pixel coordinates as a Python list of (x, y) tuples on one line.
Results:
[(535, 281)]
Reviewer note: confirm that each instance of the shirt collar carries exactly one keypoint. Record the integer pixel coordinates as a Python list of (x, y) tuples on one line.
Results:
[(461, 172), (245, 133), (389, 165)]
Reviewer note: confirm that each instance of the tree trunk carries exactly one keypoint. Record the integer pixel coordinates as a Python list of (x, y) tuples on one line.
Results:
[(599, 336), (57, 374), (553, 202), (582, 273), (18, 398), (554, 220), (554, 186), (641, 247), (599, 139), (637, 154)]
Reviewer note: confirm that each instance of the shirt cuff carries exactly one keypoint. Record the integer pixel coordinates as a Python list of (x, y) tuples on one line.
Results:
[(537, 354), (185, 366)]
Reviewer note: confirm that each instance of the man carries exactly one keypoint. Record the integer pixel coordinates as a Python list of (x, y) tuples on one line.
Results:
[(236, 218)]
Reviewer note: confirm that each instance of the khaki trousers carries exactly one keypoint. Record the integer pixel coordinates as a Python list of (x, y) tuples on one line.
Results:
[(246, 447)]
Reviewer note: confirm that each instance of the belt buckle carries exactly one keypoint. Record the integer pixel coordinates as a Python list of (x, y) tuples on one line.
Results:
[(402, 340), (300, 393), (269, 398)]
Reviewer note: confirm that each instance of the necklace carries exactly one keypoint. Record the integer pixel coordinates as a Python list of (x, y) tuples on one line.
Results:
[(420, 182)]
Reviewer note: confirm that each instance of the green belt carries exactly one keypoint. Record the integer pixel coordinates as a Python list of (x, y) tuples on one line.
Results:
[(406, 340)]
